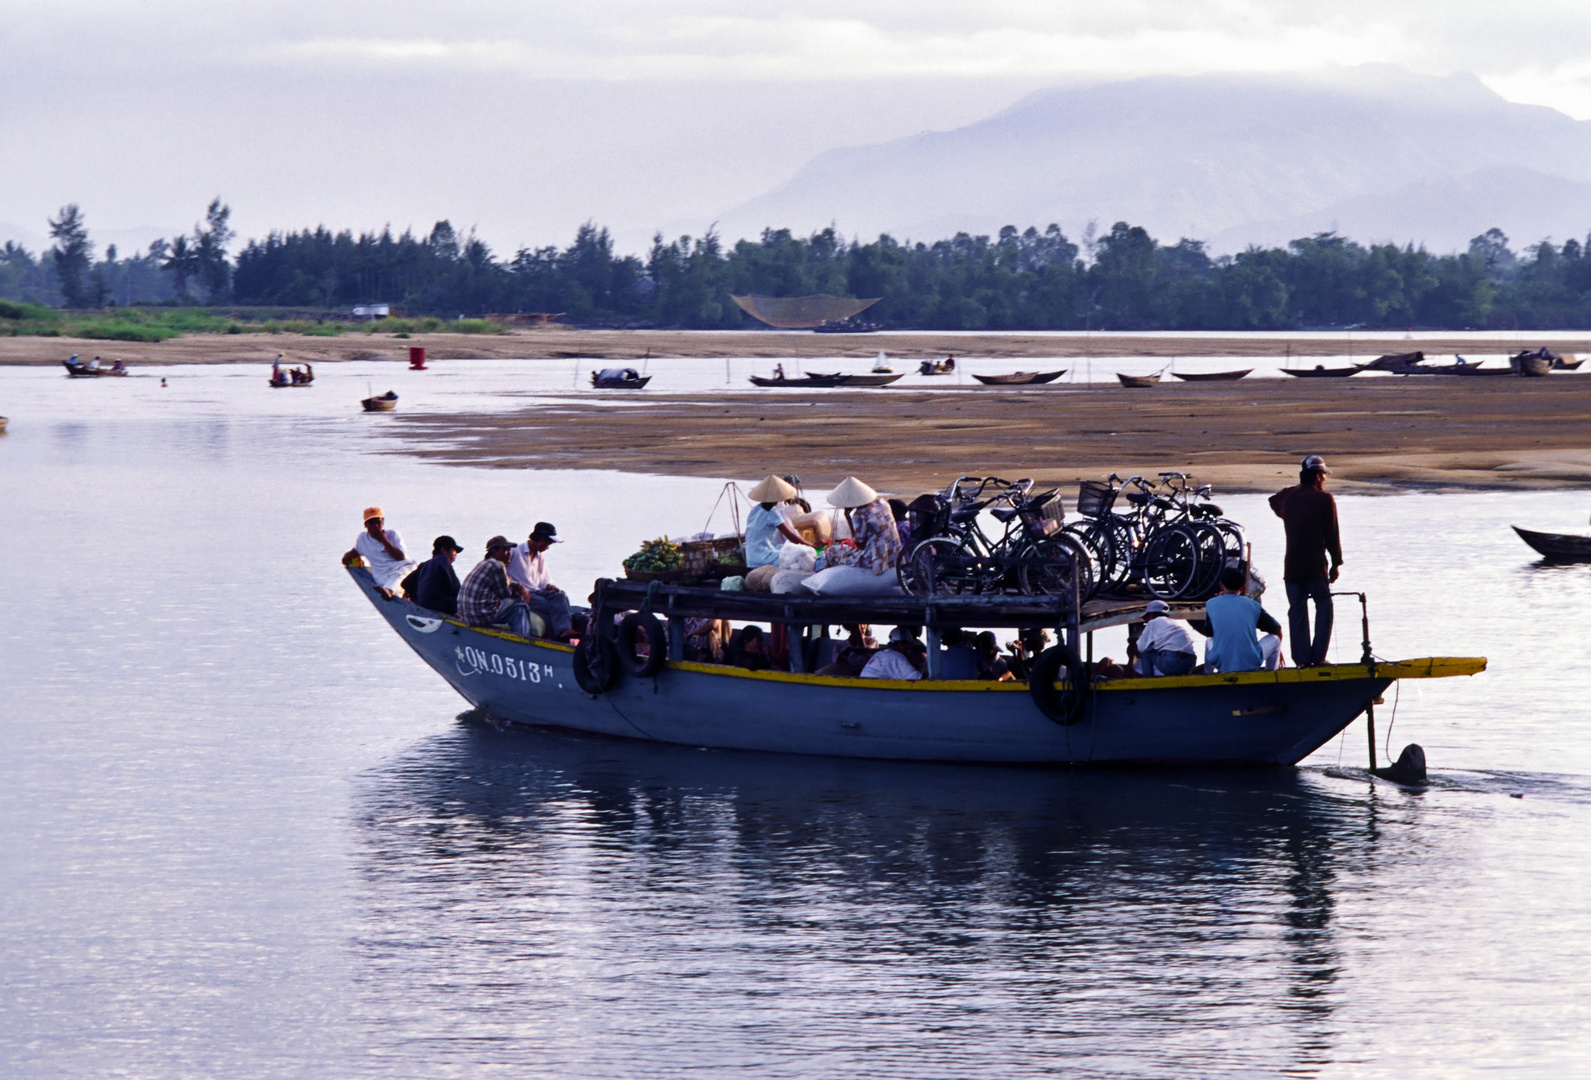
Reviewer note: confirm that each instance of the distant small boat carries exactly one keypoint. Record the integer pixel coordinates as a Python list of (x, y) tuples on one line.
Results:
[(812, 382), (285, 377), (381, 403), (867, 380), (619, 379), (1559, 547), (3, 423), (1321, 371), (881, 365), (1528, 362), (1211, 376), (1141, 382), (1021, 378), (947, 366), (93, 370)]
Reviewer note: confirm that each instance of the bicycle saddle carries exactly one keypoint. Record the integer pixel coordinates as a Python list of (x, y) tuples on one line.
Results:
[(1003, 516)]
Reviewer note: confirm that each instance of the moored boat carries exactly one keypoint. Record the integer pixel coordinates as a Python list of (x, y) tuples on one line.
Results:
[(1261, 717), (380, 403), (1021, 378), (1321, 371), (619, 379), (93, 369), (1559, 547), (1211, 376), (1142, 382)]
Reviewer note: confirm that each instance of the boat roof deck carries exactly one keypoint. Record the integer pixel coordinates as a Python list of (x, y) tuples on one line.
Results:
[(940, 612)]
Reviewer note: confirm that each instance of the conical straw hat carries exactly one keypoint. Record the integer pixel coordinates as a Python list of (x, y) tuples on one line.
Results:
[(851, 493), (772, 489)]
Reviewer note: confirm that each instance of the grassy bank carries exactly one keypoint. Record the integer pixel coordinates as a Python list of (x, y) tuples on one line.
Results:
[(162, 323)]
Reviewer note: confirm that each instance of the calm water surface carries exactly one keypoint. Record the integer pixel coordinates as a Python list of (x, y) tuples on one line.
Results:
[(244, 833)]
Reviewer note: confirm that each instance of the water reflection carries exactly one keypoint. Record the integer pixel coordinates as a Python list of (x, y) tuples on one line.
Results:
[(824, 916)]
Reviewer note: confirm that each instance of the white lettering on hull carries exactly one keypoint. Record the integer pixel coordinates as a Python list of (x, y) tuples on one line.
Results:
[(468, 660)]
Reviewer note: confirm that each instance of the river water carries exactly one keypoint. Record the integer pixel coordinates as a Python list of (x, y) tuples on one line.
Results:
[(245, 833)]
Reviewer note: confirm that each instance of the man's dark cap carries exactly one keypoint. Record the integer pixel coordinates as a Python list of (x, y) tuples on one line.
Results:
[(445, 543), (498, 542), (544, 531)]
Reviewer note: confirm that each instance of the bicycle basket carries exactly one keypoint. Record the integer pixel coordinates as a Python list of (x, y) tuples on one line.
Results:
[(1045, 515), (1095, 498)]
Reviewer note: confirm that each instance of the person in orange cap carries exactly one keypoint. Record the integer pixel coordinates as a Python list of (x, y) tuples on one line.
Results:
[(382, 550)]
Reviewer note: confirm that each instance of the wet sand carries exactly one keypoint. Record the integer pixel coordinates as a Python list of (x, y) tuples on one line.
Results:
[(566, 344), (1377, 433)]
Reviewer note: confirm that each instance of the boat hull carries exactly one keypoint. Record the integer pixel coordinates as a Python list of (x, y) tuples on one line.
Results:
[(1211, 376), (1562, 547), (1021, 378), (1139, 382), (1260, 718), (1321, 372)]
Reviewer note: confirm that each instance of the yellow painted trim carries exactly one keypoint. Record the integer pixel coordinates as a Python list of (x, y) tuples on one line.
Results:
[(1438, 667), (492, 631)]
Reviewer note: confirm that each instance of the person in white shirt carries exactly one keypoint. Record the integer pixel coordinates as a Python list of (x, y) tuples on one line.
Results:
[(897, 660), (382, 549), (527, 567), (1165, 647)]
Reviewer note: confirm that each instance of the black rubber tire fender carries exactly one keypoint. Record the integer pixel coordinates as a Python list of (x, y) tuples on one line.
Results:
[(596, 665), (631, 628), (1065, 707)]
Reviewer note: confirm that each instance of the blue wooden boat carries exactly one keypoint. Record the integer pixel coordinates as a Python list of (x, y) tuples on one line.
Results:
[(1261, 717)]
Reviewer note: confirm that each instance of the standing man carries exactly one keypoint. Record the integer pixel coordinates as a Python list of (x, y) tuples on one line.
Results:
[(487, 597), (382, 549), (1309, 515), (527, 567)]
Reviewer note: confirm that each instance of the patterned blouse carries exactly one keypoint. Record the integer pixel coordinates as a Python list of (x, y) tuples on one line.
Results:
[(877, 540)]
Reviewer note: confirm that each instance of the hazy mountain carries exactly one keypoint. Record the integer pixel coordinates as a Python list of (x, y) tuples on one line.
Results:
[(1376, 150)]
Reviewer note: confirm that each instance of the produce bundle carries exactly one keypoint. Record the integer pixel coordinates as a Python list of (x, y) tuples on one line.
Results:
[(656, 555)]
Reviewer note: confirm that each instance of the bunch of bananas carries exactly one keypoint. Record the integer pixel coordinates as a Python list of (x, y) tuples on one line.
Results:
[(659, 554)]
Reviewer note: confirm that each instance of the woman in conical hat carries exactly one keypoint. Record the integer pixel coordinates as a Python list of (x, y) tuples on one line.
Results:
[(768, 525), (872, 529)]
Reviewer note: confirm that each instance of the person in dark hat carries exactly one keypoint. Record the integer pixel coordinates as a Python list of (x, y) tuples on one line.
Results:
[(1309, 515), (488, 598), (528, 568), (434, 583)]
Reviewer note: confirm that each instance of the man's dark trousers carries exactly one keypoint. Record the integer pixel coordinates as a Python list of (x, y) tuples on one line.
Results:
[(1299, 593)]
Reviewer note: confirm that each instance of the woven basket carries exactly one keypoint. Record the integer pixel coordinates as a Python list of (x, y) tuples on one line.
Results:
[(701, 556), (1094, 498)]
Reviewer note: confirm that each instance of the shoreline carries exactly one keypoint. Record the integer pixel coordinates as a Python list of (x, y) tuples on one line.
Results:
[(634, 345), (1380, 436)]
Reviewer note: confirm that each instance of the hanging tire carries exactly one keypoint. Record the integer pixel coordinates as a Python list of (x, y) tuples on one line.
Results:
[(632, 628), (1065, 707), (596, 664)]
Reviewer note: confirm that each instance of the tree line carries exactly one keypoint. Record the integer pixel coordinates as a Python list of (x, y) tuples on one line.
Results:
[(1123, 279)]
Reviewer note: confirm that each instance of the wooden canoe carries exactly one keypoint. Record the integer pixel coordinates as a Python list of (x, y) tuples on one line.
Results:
[(1560, 547), (1021, 378), (1320, 371), (1141, 382), (1211, 376), (86, 371)]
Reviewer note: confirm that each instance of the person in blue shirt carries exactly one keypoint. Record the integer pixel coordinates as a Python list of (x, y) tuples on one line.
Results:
[(767, 527), (1231, 620)]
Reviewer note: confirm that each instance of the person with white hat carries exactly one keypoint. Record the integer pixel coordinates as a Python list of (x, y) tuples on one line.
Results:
[(902, 658), (1165, 647), (873, 529), (382, 550), (768, 525), (1309, 515)]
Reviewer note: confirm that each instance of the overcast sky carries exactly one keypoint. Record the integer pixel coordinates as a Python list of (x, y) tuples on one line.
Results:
[(525, 118)]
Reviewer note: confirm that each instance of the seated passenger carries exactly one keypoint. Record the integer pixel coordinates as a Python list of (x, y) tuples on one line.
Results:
[(382, 550), (488, 598), (748, 648), (434, 584), (873, 529), (526, 567), (1025, 649), (992, 667), (859, 647), (903, 658), (706, 639), (1165, 647), (1231, 622), (768, 525)]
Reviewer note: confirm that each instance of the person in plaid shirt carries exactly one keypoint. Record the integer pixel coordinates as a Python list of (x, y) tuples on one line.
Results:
[(487, 597)]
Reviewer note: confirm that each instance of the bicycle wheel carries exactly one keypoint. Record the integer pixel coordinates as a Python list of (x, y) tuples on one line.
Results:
[(1170, 562), (1057, 567), (1212, 559), (1111, 539), (937, 567)]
